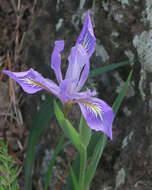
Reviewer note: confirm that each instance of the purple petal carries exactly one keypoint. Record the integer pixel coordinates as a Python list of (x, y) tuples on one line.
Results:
[(67, 96), (75, 97), (56, 59), (83, 77), (65, 93), (98, 115), (77, 60), (32, 81), (86, 37)]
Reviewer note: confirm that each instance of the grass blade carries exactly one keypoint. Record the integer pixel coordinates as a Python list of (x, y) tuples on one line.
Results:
[(120, 97), (98, 149), (69, 131), (60, 146), (106, 68), (41, 119), (74, 178), (84, 131)]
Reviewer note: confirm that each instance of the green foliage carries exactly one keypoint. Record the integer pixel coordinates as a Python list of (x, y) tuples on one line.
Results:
[(84, 131), (98, 149), (71, 133), (8, 172), (96, 146), (40, 121), (74, 178), (107, 68), (60, 146)]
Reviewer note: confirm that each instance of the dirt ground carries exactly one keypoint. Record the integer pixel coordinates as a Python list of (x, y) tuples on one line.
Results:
[(28, 30)]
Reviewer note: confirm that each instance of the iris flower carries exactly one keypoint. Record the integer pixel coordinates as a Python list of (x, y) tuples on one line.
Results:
[(98, 115)]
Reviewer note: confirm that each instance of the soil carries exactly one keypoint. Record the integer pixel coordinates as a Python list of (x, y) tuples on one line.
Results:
[(28, 32)]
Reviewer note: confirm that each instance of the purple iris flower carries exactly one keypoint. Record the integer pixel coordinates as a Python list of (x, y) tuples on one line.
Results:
[(98, 115)]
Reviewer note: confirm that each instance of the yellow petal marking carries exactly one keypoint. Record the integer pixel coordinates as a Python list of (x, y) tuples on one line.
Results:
[(34, 83), (93, 107), (30, 82), (84, 41)]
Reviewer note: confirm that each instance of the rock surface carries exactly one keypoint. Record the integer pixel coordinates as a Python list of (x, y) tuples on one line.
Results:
[(123, 32), (123, 29)]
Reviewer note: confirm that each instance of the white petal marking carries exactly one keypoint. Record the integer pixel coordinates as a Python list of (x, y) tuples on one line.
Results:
[(33, 83), (86, 42), (93, 108)]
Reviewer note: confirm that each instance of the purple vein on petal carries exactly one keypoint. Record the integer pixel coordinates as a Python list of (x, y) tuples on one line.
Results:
[(31, 81), (77, 60), (56, 59), (98, 115), (86, 37)]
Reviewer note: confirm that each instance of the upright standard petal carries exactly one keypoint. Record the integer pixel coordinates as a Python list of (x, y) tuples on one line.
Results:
[(83, 76), (75, 97), (56, 59), (86, 37), (65, 90), (98, 115), (31, 81), (66, 96), (77, 61)]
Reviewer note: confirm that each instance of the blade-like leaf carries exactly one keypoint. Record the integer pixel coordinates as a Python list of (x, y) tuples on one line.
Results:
[(68, 129), (121, 95), (84, 131), (98, 150), (106, 68), (97, 142), (74, 179), (76, 169), (41, 119), (60, 146)]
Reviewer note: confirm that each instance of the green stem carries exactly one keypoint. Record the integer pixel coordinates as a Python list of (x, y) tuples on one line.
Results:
[(83, 161), (66, 109)]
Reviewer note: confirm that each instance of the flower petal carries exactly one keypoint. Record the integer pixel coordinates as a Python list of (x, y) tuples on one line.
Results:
[(77, 60), (66, 96), (65, 93), (56, 59), (75, 97), (64, 90), (98, 115), (32, 81), (86, 37), (83, 77)]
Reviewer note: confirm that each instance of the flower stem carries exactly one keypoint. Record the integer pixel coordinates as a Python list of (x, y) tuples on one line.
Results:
[(66, 109), (83, 161)]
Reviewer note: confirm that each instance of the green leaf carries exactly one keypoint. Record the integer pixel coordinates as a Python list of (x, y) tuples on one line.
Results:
[(76, 170), (74, 136), (60, 146), (2, 187), (121, 95), (76, 164), (98, 150), (8, 171), (96, 143), (74, 178), (39, 124), (84, 131), (95, 160), (106, 68), (41, 119), (68, 129)]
